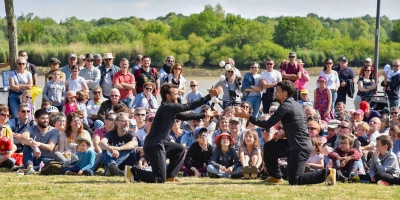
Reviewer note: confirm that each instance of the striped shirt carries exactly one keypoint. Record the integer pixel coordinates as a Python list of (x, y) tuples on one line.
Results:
[(91, 74)]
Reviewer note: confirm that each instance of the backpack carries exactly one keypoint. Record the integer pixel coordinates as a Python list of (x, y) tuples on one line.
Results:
[(138, 74), (52, 168)]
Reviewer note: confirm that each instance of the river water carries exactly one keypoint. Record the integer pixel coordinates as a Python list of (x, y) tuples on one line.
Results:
[(204, 84)]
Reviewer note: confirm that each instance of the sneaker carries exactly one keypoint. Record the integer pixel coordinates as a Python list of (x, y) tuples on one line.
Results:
[(384, 183), (71, 173), (343, 179), (212, 175), (354, 178), (128, 174), (21, 172), (253, 172), (114, 170), (30, 171), (307, 169), (273, 180), (331, 178), (173, 179), (246, 172)]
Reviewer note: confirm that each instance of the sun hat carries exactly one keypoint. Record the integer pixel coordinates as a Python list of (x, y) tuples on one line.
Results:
[(54, 60), (224, 134), (107, 56), (334, 123), (85, 138), (303, 91)]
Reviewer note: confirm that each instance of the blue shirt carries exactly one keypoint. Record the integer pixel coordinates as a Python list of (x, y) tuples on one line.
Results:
[(17, 127), (135, 67), (188, 139), (86, 160), (67, 71), (178, 139), (373, 114)]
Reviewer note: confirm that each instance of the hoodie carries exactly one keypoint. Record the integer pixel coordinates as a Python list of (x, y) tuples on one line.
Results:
[(387, 163)]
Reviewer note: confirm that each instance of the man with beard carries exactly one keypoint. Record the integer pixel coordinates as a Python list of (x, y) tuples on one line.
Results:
[(119, 145), (40, 142)]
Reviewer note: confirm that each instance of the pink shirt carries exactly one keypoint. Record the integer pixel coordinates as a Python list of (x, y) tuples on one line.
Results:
[(124, 78), (69, 109), (100, 132)]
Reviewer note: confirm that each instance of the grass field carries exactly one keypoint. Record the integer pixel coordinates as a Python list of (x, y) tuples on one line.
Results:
[(77, 188)]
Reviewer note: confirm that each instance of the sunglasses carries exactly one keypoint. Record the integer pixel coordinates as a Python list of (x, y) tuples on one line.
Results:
[(114, 95), (230, 71), (132, 126), (89, 60), (312, 128), (4, 115), (150, 119), (149, 89), (331, 129), (329, 63), (28, 97), (25, 111), (193, 85), (21, 63), (245, 106), (268, 63), (108, 59), (292, 56), (343, 127), (254, 67), (203, 135), (140, 115), (110, 119), (395, 65), (170, 61), (97, 92), (394, 113), (263, 130)]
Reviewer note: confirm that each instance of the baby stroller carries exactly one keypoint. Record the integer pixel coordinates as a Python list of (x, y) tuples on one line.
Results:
[(378, 102)]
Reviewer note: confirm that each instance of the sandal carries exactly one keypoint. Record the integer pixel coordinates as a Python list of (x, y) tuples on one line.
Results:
[(253, 172), (246, 172)]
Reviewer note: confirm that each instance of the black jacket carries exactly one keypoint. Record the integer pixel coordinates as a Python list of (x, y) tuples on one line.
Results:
[(293, 121), (350, 88), (393, 89), (197, 157)]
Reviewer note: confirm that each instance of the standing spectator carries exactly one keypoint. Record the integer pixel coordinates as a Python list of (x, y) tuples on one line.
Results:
[(292, 71), (54, 65), (177, 79), (98, 61), (269, 79), (20, 81), (146, 99), (332, 79), (169, 61), (147, 74), (124, 81), (236, 71), (366, 86), (393, 84), (76, 82), (29, 66), (230, 85), (194, 95), (90, 74), (346, 79), (54, 90), (93, 106), (138, 64), (251, 88), (304, 77), (394, 116), (107, 74), (81, 62), (323, 100), (72, 59)]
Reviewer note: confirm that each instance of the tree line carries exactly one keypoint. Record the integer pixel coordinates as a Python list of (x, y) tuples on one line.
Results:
[(206, 38)]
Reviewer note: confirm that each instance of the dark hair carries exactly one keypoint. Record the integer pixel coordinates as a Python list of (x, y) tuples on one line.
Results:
[(68, 130), (385, 140), (218, 144), (287, 86), (349, 138), (317, 143), (120, 107), (269, 59), (327, 61), (146, 57), (248, 103), (166, 89), (167, 67), (108, 115), (75, 67), (385, 118), (396, 129), (371, 75), (19, 52), (40, 113), (138, 57), (204, 108)]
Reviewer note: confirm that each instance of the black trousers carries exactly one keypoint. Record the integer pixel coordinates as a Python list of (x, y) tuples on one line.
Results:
[(157, 156), (296, 163), (351, 166)]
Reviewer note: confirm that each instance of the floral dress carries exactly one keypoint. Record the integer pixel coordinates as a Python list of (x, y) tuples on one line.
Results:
[(321, 104)]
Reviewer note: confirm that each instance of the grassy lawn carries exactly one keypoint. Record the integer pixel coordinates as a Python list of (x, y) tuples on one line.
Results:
[(77, 188)]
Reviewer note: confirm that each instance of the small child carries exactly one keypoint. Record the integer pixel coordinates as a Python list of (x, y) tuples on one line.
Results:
[(323, 99), (224, 162), (82, 99), (54, 90), (345, 159), (362, 131), (26, 97), (6, 146), (316, 160), (250, 154), (86, 157), (76, 82), (70, 104), (194, 95), (384, 165)]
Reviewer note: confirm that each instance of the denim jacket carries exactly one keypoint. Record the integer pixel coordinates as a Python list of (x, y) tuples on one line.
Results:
[(229, 159), (248, 81)]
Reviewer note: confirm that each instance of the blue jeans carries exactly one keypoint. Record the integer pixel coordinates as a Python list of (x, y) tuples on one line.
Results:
[(13, 102), (126, 157), (30, 160), (393, 102), (334, 97), (128, 102), (87, 172), (214, 170), (98, 161), (255, 103)]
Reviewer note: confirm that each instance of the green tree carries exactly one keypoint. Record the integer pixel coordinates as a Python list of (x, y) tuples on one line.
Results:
[(396, 32), (294, 32), (360, 29)]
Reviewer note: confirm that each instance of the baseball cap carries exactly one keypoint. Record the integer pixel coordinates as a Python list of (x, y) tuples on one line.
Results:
[(343, 58), (303, 91), (72, 55), (323, 78), (359, 111), (201, 129), (89, 56), (364, 106), (234, 119), (368, 60), (292, 54)]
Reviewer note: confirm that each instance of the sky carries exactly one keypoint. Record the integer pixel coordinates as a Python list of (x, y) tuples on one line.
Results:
[(151, 9)]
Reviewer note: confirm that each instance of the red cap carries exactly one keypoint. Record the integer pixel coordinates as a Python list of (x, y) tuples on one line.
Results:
[(364, 106)]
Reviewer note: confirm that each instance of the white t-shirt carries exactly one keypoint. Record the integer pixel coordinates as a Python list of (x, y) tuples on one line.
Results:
[(20, 78), (270, 77), (332, 79), (75, 85)]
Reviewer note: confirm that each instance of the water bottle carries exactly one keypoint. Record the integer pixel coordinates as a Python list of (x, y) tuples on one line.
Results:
[(41, 165), (68, 155)]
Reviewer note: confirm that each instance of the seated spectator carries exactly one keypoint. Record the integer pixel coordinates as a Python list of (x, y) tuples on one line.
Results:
[(119, 145), (304, 99), (384, 166), (250, 154), (344, 160), (190, 137), (394, 116), (86, 156), (93, 105), (6, 149), (221, 127), (66, 140), (198, 155), (340, 106), (394, 133), (86, 127), (229, 111), (362, 131), (140, 117), (224, 162), (146, 99), (332, 127), (357, 118), (176, 132), (368, 113), (247, 107), (82, 99), (26, 97), (313, 131), (19, 124), (142, 133), (107, 107), (373, 133), (132, 113), (39, 141), (316, 159), (385, 122), (208, 122), (334, 141), (98, 135)]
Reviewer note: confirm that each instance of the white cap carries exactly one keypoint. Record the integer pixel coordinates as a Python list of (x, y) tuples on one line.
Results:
[(368, 60)]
